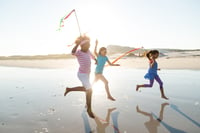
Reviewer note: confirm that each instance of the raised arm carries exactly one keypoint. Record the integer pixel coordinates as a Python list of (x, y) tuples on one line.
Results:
[(75, 48), (77, 42), (95, 49)]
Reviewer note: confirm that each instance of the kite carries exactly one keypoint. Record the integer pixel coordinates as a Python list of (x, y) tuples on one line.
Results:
[(66, 17)]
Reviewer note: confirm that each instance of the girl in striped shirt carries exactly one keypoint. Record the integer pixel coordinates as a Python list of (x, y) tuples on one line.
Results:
[(84, 59)]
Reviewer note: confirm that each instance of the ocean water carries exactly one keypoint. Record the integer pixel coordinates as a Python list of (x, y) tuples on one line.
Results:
[(32, 101)]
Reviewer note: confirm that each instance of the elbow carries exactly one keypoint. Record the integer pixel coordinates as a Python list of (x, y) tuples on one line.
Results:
[(73, 52)]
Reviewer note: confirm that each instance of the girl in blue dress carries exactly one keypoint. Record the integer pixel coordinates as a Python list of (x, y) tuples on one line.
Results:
[(152, 72), (101, 60)]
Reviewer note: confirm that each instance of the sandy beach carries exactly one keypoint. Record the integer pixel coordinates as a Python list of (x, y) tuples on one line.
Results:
[(32, 101), (47, 86), (169, 59), (135, 62)]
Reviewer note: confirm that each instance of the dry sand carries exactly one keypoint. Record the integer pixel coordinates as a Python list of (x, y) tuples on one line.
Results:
[(130, 62), (169, 59)]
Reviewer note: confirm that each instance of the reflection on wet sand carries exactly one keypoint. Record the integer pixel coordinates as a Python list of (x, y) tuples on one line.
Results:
[(102, 124), (114, 116), (152, 124), (155, 121), (168, 127)]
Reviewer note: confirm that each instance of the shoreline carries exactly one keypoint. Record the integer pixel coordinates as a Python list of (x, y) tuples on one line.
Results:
[(192, 63)]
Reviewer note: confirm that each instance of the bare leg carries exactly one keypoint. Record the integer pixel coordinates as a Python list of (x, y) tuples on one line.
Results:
[(138, 86), (88, 97), (163, 94), (108, 114), (157, 78), (162, 111), (143, 112), (89, 102), (105, 81), (145, 85), (101, 123), (78, 88)]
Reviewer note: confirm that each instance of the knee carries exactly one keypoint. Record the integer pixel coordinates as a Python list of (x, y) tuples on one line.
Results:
[(151, 85), (161, 84), (88, 91), (106, 82)]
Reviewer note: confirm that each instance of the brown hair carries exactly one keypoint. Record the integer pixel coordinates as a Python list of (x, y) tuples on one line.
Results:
[(101, 49), (81, 38), (152, 52)]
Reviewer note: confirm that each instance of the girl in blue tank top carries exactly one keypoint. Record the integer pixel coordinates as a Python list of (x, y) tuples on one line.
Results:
[(152, 72), (101, 60)]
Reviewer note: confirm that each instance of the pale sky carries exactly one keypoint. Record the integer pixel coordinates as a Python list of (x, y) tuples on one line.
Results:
[(28, 27)]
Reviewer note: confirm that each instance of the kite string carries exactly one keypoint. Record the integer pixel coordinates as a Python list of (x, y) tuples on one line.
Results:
[(64, 18), (77, 22)]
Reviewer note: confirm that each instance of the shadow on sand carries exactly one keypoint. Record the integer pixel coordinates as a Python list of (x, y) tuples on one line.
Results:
[(184, 115)]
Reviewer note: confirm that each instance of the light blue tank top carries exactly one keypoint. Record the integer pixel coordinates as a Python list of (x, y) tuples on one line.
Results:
[(101, 60)]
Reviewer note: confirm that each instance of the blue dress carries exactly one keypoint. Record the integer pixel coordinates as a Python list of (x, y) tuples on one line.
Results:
[(152, 72)]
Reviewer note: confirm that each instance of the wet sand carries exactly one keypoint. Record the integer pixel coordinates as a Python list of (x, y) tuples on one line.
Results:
[(32, 101)]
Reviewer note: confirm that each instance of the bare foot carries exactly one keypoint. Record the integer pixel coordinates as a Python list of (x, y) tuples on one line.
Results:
[(164, 97), (137, 108), (137, 87), (90, 113), (111, 98), (66, 91), (111, 109)]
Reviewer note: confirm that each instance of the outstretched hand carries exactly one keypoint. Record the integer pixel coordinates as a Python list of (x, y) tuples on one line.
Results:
[(95, 61)]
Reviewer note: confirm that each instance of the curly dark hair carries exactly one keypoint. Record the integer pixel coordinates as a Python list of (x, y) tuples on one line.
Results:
[(152, 52)]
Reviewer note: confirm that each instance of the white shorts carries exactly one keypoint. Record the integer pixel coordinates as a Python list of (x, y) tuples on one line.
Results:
[(85, 80)]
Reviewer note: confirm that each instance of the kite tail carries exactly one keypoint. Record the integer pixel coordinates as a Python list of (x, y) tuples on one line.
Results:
[(64, 18), (125, 54)]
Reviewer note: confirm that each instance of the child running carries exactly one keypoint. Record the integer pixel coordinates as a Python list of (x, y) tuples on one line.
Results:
[(84, 59), (152, 72), (101, 60)]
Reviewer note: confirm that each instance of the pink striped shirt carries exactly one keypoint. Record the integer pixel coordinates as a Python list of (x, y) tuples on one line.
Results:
[(84, 60)]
